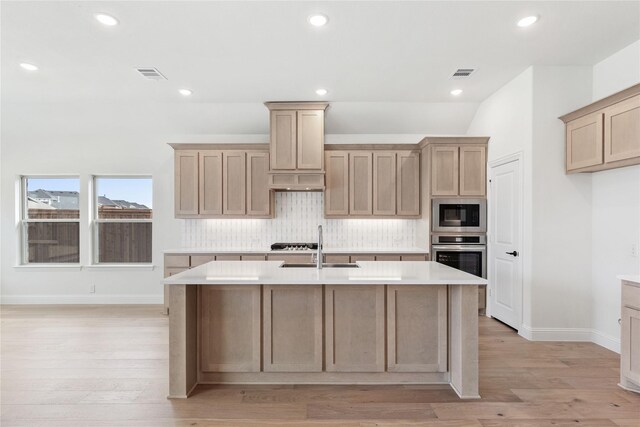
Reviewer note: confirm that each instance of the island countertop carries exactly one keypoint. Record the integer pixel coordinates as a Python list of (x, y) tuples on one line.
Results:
[(367, 273)]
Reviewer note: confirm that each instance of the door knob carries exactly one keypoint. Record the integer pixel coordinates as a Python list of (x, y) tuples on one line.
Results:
[(514, 253)]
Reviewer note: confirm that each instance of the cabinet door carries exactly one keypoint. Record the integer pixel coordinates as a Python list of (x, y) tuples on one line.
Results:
[(292, 328), (354, 332), (622, 130), (584, 141), (210, 182), (230, 328), (360, 183), (336, 193), (408, 184), (283, 140), (384, 183), (417, 328), (630, 344), (473, 171), (258, 193), (186, 182), (310, 139), (234, 183), (444, 171)]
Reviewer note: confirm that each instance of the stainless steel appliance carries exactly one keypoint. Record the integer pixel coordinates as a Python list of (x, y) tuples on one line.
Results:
[(459, 215), (466, 253)]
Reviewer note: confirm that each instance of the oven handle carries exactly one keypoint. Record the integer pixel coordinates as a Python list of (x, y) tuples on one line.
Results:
[(459, 248)]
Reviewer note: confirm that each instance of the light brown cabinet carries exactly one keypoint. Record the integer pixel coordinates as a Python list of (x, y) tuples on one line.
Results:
[(584, 142), (372, 183), (283, 140), (384, 183), (336, 193), (605, 134), (310, 139), (292, 328), (630, 337), (219, 183), (354, 328), (416, 328), (458, 170)]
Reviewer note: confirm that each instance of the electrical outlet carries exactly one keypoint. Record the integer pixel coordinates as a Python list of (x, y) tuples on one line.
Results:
[(92, 289), (634, 250)]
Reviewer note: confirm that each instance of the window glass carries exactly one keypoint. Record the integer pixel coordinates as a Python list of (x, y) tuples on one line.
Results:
[(123, 224), (51, 226)]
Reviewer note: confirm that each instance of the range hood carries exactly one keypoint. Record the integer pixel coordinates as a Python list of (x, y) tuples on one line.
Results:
[(296, 160)]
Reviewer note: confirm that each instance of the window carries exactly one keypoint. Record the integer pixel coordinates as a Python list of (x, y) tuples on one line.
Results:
[(50, 220), (122, 214)]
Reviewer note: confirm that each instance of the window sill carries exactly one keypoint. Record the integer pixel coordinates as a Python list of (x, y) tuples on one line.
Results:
[(41, 267), (147, 267)]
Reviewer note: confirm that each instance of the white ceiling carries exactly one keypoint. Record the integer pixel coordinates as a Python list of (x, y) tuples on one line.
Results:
[(251, 52)]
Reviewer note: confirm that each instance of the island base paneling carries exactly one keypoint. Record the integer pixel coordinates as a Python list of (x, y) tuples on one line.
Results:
[(343, 334)]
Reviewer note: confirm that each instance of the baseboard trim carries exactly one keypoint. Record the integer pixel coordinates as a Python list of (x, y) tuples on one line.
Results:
[(82, 299), (571, 334)]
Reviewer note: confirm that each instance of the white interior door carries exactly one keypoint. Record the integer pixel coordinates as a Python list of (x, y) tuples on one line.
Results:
[(505, 246)]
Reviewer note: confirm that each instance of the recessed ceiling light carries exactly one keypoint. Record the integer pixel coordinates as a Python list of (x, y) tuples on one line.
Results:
[(29, 67), (185, 92), (456, 92), (318, 20), (321, 92), (105, 19), (529, 20)]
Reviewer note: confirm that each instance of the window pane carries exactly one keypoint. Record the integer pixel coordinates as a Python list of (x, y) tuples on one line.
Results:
[(53, 198), (53, 242), (124, 198), (124, 242)]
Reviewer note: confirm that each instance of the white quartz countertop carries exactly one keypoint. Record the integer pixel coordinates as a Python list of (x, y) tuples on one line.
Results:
[(368, 273), (630, 278), (326, 250)]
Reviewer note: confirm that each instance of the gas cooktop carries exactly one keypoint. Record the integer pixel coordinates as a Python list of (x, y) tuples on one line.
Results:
[(294, 246)]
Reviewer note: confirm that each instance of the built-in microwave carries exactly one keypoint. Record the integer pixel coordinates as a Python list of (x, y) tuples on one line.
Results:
[(459, 215)]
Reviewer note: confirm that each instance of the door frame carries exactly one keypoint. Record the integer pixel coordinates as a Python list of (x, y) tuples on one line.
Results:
[(514, 157)]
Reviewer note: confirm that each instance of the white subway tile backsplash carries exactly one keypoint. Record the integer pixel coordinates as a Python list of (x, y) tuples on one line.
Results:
[(298, 215)]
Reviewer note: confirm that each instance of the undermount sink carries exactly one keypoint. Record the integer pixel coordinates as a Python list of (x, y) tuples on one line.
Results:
[(326, 265)]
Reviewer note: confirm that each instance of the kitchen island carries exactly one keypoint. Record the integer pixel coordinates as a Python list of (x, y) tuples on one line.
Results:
[(383, 322)]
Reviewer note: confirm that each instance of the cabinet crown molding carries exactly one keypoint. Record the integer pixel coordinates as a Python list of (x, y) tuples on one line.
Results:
[(296, 105)]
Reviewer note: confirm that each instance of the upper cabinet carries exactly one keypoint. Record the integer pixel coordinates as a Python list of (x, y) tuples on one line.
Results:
[(217, 183), (458, 170), (605, 134), (296, 145), (364, 183)]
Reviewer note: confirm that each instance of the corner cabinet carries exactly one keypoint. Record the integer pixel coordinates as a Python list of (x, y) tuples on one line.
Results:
[(630, 337), (458, 170), (219, 183), (362, 184), (605, 134)]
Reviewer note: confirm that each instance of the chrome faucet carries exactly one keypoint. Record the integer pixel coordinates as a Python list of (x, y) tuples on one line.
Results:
[(319, 253)]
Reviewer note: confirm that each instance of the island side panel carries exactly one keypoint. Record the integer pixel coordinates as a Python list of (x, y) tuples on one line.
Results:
[(463, 338), (183, 340)]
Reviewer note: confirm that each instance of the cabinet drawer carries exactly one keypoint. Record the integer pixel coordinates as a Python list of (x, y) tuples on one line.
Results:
[(170, 271), (387, 257), (253, 257), (413, 258), (197, 260), (630, 295), (176, 261), (291, 258), (336, 258), (228, 257)]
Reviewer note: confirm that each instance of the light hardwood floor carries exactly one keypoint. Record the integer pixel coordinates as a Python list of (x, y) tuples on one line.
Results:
[(107, 366)]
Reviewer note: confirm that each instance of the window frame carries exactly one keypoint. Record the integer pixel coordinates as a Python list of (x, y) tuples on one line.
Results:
[(25, 221), (95, 221)]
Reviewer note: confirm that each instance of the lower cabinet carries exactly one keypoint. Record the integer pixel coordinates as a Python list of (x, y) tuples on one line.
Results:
[(292, 328), (230, 328), (416, 328), (354, 328), (630, 337)]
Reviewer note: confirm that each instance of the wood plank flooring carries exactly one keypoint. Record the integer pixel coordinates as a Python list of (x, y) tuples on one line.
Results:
[(107, 366)]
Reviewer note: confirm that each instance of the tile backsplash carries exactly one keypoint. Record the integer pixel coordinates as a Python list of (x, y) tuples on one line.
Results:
[(298, 215)]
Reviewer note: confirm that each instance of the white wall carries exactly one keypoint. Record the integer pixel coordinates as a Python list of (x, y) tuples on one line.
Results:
[(616, 209), (507, 118)]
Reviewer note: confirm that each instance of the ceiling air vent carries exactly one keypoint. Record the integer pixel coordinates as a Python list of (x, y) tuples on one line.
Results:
[(151, 73), (462, 73)]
